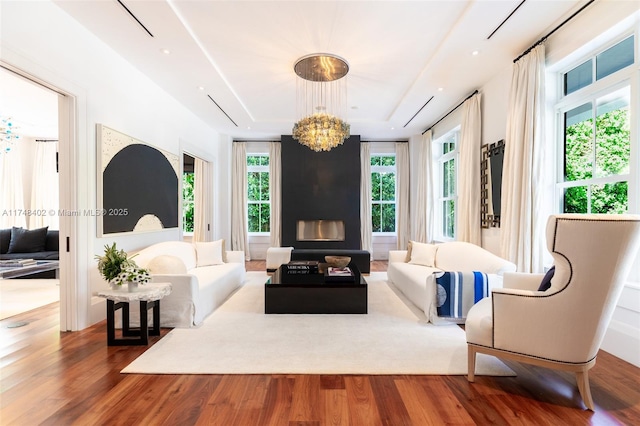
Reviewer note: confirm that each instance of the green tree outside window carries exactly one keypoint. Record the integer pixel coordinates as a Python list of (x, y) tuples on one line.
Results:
[(383, 193), (259, 207), (597, 151), (188, 202)]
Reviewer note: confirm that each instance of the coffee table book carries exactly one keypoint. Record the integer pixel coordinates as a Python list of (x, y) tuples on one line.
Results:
[(332, 274), (302, 266)]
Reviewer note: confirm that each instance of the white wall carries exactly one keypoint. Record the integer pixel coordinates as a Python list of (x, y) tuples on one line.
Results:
[(42, 40), (495, 98)]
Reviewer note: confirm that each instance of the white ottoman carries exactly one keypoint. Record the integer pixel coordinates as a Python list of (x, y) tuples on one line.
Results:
[(277, 256)]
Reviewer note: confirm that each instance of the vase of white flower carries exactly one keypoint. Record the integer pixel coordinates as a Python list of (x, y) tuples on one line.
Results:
[(117, 268), (133, 276)]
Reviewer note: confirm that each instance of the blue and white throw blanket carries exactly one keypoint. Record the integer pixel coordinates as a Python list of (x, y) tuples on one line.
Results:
[(457, 292)]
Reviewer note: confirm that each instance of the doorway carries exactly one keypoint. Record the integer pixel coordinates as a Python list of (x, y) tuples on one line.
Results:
[(197, 184), (40, 116)]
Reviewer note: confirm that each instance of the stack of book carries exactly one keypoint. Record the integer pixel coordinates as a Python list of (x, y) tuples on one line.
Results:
[(339, 274), (302, 267), (16, 263)]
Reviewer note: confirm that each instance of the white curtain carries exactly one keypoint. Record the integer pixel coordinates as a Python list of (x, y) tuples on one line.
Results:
[(422, 227), (403, 213), (12, 195), (202, 188), (44, 189), (468, 226), (239, 235), (521, 221), (366, 231), (275, 193)]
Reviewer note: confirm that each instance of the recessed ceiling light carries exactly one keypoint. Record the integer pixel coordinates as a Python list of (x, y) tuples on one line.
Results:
[(248, 127), (354, 107), (393, 128), (440, 89), (165, 51), (475, 52), (201, 88)]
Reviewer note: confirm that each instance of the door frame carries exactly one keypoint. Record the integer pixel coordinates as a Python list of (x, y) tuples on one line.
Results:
[(70, 319)]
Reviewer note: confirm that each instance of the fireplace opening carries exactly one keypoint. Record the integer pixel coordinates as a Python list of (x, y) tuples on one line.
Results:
[(320, 230)]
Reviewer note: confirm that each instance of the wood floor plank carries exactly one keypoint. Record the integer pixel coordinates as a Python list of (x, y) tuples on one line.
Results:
[(423, 407), (306, 394), (363, 409), (389, 401), (57, 378), (336, 407), (277, 403)]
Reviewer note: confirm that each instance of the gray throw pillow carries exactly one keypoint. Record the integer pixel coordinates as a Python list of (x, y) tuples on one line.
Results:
[(27, 241), (5, 238)]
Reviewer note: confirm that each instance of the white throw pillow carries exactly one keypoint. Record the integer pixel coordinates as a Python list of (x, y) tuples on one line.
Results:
[(165, 264), (209, 253), (423, 254)]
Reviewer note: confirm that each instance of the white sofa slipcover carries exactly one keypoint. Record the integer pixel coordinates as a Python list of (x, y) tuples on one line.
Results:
[(418, 282), (197, 292)]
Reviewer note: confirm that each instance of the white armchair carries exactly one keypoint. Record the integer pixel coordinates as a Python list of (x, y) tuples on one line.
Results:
[(563, 327)]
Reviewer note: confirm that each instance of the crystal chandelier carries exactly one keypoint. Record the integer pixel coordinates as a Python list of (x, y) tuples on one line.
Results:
[(321, 94), (7, 135)]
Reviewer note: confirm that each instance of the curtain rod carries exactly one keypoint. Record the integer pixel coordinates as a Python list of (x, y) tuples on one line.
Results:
[(46, 140), (543, 39), (475, 92)]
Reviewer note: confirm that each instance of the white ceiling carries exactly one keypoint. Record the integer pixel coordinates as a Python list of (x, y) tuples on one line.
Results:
[(33, 109), (242, 53)]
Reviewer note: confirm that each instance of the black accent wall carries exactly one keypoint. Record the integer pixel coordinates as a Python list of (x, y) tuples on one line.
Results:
[(321, 186)]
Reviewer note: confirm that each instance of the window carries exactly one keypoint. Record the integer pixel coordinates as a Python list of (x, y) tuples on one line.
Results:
[(446, 152), (597, 147), (383, 193), (596, 134), (188, 200), (599, 66), (258, 206)]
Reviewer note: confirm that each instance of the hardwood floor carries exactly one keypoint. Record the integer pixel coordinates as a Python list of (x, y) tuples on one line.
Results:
[(55, 378)]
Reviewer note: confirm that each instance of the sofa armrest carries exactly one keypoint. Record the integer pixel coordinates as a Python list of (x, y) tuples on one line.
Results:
[(179, 307), (397, 256), (235, 256), (522, 280), (184, 285)]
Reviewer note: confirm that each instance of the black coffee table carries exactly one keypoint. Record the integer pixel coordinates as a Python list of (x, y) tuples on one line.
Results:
[(298, 293)]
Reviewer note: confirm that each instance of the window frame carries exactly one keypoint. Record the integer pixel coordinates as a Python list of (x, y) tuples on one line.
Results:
[(258, 169), (385, 169), (440, 158), (625, 77), (184, 202)]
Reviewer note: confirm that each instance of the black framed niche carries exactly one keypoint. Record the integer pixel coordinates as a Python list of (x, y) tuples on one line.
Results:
[(491, 183)]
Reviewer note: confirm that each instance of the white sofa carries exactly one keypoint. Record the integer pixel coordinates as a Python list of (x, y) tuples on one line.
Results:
[(197, 290), (417, 281)]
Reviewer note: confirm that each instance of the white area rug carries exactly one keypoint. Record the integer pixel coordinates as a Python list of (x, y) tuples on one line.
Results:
[(238, 338), (22, 295)]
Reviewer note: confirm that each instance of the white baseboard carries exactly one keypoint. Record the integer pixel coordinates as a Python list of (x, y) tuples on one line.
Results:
[(98, 309), (623, 341)]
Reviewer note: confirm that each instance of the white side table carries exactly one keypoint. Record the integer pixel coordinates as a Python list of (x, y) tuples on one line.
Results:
[(149, 296)]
